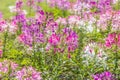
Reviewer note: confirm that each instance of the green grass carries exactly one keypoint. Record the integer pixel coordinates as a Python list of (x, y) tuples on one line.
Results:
[(4, 4)]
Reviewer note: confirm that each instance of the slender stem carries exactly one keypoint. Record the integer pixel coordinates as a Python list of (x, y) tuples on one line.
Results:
[(5, 40), (20, 28), (33, 46), (30, 8), (116, 55), (45, 5), (30, 11), (116, 60)]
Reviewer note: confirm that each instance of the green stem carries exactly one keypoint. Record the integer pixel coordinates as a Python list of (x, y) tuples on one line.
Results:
[(30, 8), (5, 41), (46, 5), (33, 46), (64, 13), (116, 55), (116, 60)]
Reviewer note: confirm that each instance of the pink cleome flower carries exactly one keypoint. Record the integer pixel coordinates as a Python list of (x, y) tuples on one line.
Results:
[(1, 53), (104, 76), (71, 39), (112, 39), (54, 39), (28, 73)]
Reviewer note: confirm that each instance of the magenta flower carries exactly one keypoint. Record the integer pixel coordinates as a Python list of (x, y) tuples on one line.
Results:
[(103, 76), (26, 39), (28, 73), (19, 4), (113, 39), (110, 40), (101, 5), (61, 21), (80, 6), (1, 52), (73, 20), (51, 26), (62, 4), (48, 47), (71, 39), (7, 66), (93, 3), (31, 3), (3, 25), (14, 66), (104, 5), (39, 1), (54, 39), (116, 21), (69, 55), (118, 40), (20, 18)]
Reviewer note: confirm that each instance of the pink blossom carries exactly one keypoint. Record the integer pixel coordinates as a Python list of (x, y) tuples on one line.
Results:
[(19, 4), (13, 65), (3, 25), (48, 47), (110, 40), (7, 66), (1, 52), (104, 19), (61, 21), (62, 4), (118, 40), (30, 3), (104, 76), (69, 55), (28, 73), (80, 6), (54, 39), (71, 39), (24, 38), (72, 20), (4, 69), (116, 21)]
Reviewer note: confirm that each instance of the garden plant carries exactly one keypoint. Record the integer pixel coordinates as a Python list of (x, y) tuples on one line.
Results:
[(60, 40)]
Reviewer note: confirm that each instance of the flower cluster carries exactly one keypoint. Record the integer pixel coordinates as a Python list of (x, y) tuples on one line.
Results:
[(94, 51), (112, 39), (61, 21), (28, 73), (67, 37), (80, 6), (62, 4), (1, 52), (7, 26), (66, 26), (71, 39), (19, 4), (42, 29), (104, 76), (11, 70), (6, 66), (109, 18), (101, 5), (54, 39), (87, 6), (30, 32)]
